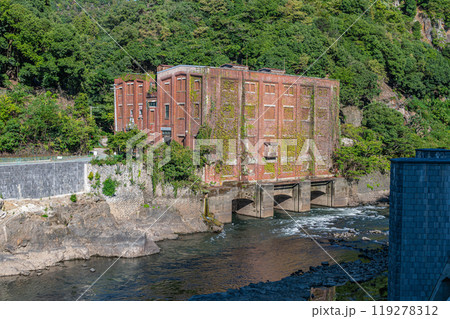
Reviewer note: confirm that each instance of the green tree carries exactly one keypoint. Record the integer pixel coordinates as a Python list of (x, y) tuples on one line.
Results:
[(398, 139)]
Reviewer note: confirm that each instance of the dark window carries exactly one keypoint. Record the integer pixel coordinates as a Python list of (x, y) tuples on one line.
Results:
[(196, 111), (167, 112)]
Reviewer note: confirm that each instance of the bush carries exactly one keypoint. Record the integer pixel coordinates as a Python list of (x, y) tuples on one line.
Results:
[(399, 140), (364, 157), (118, 142), (91, 176), (110, 160), (73, 198), (179, 171), (109, 187)]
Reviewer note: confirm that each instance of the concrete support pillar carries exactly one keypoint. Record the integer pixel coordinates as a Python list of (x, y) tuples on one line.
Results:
[(304, 196), (264, 195), (296, 198), (339, 193), (220, 205), (329, 189)]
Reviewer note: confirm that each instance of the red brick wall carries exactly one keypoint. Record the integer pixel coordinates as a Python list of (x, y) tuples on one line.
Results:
[(131, 96), (252, 106)]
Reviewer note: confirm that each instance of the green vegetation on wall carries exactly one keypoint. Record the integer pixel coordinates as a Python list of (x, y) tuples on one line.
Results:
[(109, 187)]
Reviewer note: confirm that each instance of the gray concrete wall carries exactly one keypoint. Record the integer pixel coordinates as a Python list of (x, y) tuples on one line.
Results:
[(38, 180), (369, 189)]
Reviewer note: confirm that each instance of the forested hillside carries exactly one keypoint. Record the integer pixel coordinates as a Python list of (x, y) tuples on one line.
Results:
[(53, 45)]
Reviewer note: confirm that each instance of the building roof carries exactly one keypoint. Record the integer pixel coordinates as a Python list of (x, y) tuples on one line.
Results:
[(249, 71)]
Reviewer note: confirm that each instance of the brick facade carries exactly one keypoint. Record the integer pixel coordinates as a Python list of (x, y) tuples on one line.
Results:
[(134, 103), (252, 107)]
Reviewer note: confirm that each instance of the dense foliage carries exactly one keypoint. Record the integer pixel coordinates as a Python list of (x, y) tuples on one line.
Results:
[(38, 124), (364, 157), (384, 135), (55, 45)]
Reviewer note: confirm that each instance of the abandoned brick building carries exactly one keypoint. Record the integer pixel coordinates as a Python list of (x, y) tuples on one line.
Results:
[(258, 109)]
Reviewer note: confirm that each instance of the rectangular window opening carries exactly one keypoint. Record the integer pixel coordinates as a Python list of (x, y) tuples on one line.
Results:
[(167, 113)]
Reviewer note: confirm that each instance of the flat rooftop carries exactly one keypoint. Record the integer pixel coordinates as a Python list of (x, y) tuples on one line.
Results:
[(241, 69)]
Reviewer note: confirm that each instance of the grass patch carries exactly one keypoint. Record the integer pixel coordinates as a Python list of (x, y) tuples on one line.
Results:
[(376, 287)]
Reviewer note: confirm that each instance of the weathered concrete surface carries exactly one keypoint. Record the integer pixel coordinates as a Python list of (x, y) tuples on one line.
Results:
[(296, 198), (369, 189), (259, 200), (38, 180)]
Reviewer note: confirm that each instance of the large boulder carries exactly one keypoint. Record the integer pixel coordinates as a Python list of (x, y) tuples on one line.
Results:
[(353, 115)]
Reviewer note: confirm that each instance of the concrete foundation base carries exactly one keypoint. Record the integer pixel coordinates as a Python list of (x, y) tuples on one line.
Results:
[(260, 200)]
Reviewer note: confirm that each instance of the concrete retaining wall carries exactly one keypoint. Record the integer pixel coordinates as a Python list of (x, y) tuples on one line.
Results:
[(369, 189), (38, 180)]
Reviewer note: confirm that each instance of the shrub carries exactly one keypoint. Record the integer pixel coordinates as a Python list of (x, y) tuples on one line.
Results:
[(398, 139), (73, 198), (364, 157), (179, 171), (109, 187), (110, 160), (91, 176)]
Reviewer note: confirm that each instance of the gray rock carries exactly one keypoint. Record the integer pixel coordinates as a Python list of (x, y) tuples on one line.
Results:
[(92, 270), (366, 238), (353, 115), (348, 142), (93, 227), (344, 235)]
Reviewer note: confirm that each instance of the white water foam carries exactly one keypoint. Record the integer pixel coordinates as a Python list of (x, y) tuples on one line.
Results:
[(322, 220)]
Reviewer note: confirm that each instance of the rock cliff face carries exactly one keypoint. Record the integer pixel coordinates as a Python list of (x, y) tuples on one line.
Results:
[(35, 234), (433, 32)]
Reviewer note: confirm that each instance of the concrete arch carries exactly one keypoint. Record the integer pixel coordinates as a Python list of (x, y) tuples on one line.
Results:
[(317, 194), (321, 194), (243, 206), (283, 201)]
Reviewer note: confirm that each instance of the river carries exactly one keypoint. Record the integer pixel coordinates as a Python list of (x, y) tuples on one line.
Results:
[(247, 251)]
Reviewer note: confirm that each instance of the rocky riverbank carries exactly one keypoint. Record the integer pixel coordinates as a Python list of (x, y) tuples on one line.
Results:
[(299, 285), (36, 234)]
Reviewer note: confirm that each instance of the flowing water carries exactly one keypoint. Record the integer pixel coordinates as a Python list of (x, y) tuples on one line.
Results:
[(247, 251)]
